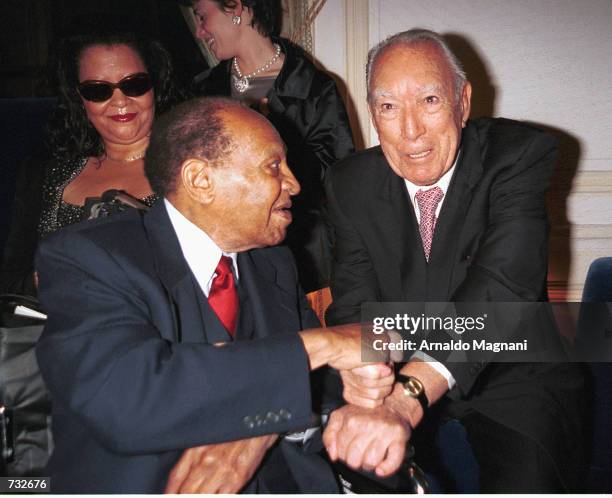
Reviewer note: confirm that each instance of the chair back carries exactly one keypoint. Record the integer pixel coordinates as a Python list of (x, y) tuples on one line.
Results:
[(598, 288)]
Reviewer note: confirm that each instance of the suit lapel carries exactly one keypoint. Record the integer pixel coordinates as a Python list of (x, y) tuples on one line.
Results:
[(446, 241), (396, 225), (175, 275), (273, 308)]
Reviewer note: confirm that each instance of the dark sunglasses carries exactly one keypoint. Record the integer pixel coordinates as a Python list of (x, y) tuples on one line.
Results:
[(133, 85)]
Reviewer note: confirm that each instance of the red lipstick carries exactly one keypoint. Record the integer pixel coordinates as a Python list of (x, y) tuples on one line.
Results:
[(123, 118)]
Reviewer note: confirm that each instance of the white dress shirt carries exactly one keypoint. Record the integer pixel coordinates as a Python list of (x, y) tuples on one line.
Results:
[(443, 183), (200, 252)]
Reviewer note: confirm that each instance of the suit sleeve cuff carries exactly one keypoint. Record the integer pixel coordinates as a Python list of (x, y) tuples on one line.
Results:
[(437, 366)]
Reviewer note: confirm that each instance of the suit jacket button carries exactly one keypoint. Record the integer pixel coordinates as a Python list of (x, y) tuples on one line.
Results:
[(284, 414), (259, 420), (248, 421), (272, 417)]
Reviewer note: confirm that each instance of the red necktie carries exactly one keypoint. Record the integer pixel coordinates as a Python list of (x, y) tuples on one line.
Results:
[(223, 297), (428, 202)]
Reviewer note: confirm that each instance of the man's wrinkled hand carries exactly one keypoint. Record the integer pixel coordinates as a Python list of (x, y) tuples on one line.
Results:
[(351, 345), (344, 347), (370, 439), (218, 468), (367, 386)]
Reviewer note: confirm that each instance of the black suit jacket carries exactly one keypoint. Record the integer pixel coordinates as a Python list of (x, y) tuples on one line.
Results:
[(490, 244), (127, 356)]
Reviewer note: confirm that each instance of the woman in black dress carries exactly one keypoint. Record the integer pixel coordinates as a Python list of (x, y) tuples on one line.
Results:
[(111, 84)]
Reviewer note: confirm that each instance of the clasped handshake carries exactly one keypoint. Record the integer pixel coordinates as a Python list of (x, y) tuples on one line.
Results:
[(367, 433)]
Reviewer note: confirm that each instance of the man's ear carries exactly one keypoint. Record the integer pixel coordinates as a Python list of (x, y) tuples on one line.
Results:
[(197, 180), (466, 102)]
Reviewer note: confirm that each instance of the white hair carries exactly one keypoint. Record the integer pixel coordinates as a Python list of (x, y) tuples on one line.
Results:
[(415, 37)]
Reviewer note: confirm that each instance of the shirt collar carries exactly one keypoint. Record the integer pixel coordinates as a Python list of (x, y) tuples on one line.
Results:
[(199, 250), (443, 182)]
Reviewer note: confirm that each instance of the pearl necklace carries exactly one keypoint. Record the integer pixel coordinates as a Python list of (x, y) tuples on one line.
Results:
[(241, 82)]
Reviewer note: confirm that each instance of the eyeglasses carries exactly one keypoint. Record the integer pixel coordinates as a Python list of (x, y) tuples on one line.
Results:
[(133, 85)]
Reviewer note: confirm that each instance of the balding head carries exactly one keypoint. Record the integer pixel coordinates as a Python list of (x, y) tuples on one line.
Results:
[(193, 129)]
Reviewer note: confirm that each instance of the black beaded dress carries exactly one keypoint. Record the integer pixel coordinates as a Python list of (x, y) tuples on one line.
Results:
[(37, 212)]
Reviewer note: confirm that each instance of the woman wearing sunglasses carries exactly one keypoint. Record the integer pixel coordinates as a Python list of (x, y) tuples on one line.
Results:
[(111, 84), (303, 103)]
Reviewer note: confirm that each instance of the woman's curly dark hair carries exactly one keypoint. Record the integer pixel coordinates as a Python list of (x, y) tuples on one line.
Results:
[(69, 133)]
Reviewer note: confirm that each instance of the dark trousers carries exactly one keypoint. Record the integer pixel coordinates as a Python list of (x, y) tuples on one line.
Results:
[(477, 455)]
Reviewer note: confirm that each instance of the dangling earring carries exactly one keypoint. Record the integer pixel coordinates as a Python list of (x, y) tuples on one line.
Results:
[(236, 20)]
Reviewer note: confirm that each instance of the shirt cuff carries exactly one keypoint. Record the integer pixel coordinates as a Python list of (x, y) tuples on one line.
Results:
[(437, 366)]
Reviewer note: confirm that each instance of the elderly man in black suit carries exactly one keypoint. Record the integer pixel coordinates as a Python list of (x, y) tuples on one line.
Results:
[(451, 209), (173, 339)]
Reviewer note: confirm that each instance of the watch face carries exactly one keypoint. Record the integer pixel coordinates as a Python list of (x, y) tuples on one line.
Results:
[(414, 387)]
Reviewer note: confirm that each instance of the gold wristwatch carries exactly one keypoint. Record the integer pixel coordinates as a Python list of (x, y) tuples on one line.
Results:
[(413, 387)]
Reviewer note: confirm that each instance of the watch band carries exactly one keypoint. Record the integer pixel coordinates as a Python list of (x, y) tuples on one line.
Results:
[(413, 387)]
